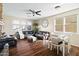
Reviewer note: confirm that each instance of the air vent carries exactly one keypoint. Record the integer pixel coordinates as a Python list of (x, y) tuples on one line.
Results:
[(56, 7)]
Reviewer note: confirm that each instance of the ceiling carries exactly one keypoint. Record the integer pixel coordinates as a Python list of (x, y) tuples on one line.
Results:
[(19, 9)]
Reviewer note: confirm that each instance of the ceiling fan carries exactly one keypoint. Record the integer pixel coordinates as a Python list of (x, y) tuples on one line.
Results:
[(33, 12)]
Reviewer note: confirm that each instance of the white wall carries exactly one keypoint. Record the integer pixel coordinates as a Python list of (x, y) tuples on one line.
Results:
[(74, 39)]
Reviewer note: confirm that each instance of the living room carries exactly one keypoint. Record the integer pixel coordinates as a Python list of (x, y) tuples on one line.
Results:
[(33, 24)]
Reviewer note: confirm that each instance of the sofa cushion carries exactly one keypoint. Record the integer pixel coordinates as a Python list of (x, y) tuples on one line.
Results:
[(10, 41), (38, 34)]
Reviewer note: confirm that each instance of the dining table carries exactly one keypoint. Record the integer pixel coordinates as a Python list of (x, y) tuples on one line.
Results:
[(63, 39)]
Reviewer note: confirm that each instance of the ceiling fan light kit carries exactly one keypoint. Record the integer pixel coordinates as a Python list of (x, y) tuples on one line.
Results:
[(33, 12)]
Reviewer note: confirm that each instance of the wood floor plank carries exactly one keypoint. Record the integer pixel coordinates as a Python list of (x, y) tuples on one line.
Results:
[(25, 48)]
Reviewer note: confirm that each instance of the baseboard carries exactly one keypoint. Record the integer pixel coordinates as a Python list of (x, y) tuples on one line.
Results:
[(75, 46)]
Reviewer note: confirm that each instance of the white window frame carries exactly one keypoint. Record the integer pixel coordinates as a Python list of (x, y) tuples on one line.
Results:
[(64, 23)]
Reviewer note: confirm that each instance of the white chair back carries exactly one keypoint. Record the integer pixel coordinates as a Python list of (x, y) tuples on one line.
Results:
[(21, 35), (45, 36), (55, 39)]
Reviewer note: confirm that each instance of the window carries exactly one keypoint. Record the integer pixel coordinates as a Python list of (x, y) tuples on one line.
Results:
[(66, 24), (71, 23), (21, 25), (15, 24), (18, 24), (59, 24)]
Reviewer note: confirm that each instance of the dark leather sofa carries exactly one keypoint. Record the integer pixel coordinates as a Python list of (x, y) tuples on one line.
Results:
[(38, 34), (26, 33), (11, 41)]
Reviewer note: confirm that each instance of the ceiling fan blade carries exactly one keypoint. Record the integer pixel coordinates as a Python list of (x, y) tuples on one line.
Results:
[(39, 14), (39, 11), (32, 11)]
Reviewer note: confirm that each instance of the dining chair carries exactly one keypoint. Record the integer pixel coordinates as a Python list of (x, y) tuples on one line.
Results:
[(66, 46), (45, 39), (57, 41), (54, 41)]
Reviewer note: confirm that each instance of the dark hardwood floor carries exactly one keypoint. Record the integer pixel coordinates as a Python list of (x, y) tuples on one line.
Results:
[(25, 48)]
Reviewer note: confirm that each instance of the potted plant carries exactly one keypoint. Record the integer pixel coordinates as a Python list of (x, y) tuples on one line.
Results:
[(35, 28)]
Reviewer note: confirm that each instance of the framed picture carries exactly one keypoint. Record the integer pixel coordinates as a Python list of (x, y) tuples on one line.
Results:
[(29, 27)]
